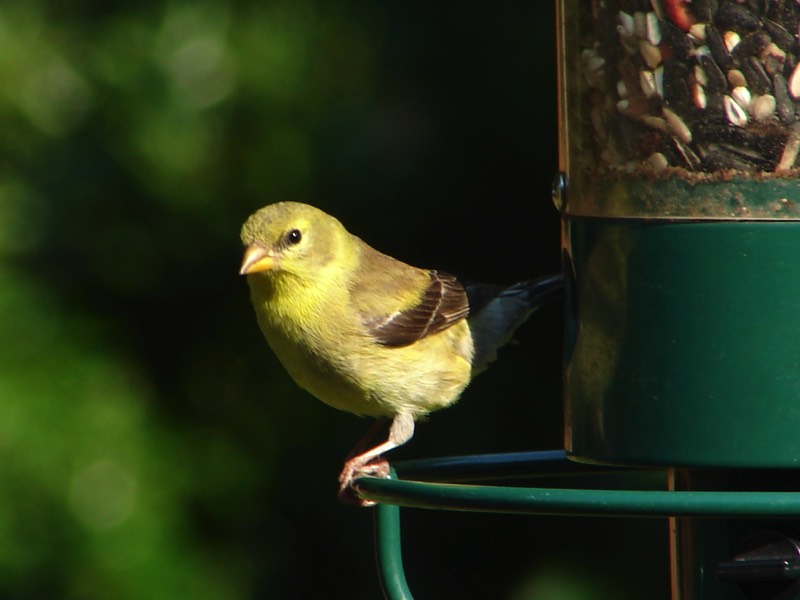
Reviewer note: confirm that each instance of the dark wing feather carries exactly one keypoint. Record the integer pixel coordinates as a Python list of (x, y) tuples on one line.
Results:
[(443, 303)]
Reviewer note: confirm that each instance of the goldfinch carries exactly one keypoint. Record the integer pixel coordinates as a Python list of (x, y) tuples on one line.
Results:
[(369, 334)]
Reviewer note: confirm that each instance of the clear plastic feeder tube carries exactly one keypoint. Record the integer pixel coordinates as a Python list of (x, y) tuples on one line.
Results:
[(680, 109)]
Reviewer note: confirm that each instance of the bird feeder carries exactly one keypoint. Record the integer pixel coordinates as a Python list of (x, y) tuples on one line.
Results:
[(680, 204)]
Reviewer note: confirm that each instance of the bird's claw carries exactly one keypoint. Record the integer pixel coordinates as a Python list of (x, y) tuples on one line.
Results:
[(353, 469)]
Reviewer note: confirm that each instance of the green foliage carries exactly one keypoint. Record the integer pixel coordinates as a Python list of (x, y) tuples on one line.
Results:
[(131, 139), (150, 445)]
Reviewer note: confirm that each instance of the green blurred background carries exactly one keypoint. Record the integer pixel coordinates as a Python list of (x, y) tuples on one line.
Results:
[(150, 444)]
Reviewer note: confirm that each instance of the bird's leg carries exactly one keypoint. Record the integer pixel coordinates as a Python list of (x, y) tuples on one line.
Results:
[(401, 430), (365, 441)]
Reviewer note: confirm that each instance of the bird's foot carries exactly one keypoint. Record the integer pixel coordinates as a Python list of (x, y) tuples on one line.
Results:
[(355, 468)]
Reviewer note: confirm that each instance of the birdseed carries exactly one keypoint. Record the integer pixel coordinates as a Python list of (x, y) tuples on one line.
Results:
[(705, 90)]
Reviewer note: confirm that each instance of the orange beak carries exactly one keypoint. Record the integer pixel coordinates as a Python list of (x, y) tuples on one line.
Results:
[(256, 259)]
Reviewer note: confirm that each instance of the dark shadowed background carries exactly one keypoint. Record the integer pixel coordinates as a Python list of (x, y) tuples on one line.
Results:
[(150, 444)]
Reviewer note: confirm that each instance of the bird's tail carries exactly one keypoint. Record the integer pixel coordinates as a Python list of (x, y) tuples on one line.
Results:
[(496, 312)]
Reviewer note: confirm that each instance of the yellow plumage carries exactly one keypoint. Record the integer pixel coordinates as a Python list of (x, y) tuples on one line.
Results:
[(315, 308), (361, 331)]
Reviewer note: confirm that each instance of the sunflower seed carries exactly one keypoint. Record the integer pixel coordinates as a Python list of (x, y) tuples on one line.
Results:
[(651, 54), (698, 31), (734, 112), (658, 123), (751, 156), (658, 75), (657, 161), (699, 98), (652, 29), (774, 59), (790, 150), (784, 106), (640, 24), (720, 160), (757, 78), (751, 45), (778, 34), (681, 44), (742, 96), (731, 39), (736, 78), (677, 126), (719, 50), (625, 24), (793, 83), (763, 107), (647, 81), (782, 12), (736, 17), (681, 154), (716, 78), (704, 10), (675, 84), (700, 75)]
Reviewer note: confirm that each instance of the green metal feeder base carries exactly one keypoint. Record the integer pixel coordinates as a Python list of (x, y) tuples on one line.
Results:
[(683, 344), (699, 509)]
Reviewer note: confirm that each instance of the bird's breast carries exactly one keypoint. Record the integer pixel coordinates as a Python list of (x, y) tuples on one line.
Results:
[(345, 368)]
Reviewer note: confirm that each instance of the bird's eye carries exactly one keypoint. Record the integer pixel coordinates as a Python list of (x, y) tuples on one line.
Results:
[(294, 236)]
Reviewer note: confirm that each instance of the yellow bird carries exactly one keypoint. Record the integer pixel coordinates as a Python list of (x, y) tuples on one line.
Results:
[(366, 333)]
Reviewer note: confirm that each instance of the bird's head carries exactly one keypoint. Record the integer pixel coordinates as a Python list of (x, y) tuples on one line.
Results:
[(289, 237)]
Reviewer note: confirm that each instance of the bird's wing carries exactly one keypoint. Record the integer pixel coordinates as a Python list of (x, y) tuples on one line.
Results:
[(441, 304), (398, 304)]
